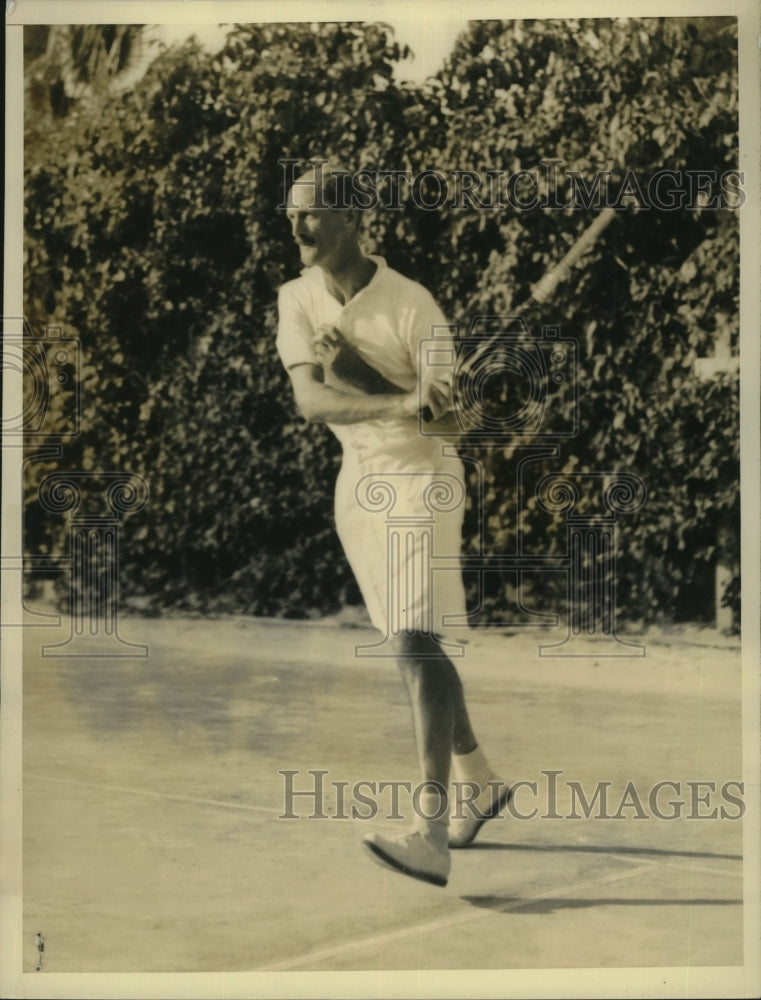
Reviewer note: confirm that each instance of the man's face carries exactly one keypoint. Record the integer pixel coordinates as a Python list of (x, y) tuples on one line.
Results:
[(319, 232)]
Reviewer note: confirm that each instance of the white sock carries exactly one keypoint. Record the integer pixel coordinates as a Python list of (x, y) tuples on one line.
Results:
[(473, 767), (432, 815)]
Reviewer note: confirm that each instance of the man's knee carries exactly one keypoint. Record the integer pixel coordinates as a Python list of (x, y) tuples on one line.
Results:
[(415, 646)]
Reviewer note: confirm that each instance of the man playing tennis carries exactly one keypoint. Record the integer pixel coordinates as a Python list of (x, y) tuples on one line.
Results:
[(348, 335)]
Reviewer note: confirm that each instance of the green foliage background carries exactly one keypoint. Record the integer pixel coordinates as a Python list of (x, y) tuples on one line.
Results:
[(152, 235)]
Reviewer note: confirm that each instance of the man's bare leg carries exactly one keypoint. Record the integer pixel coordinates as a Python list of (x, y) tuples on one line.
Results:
[(444, 736), (442, 728), (439, 713), (440, 721)]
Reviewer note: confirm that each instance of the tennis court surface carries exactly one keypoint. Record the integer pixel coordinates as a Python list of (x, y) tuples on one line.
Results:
[(154, 795)]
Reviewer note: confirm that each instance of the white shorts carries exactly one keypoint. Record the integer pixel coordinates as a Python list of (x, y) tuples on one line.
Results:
[(400, 525)]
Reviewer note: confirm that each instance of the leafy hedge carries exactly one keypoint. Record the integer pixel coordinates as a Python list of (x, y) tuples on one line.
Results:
[(152, 236)]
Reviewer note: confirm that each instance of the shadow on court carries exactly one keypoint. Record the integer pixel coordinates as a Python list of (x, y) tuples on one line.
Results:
[(483, 845), (507, 904), (156, 793)]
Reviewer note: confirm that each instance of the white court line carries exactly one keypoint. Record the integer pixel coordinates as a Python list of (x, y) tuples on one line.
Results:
[(680, 864), (636, 860), (151, 794), (375, 940), (704, 868)]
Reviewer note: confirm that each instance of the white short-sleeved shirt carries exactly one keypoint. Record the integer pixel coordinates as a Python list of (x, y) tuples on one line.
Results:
[(387, 321)]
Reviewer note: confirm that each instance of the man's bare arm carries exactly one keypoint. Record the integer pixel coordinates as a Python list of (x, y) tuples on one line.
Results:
[(320, 403), (336, 354)]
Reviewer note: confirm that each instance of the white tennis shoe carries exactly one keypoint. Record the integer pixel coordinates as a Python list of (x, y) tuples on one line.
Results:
[(470, 815), (420, 854)]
